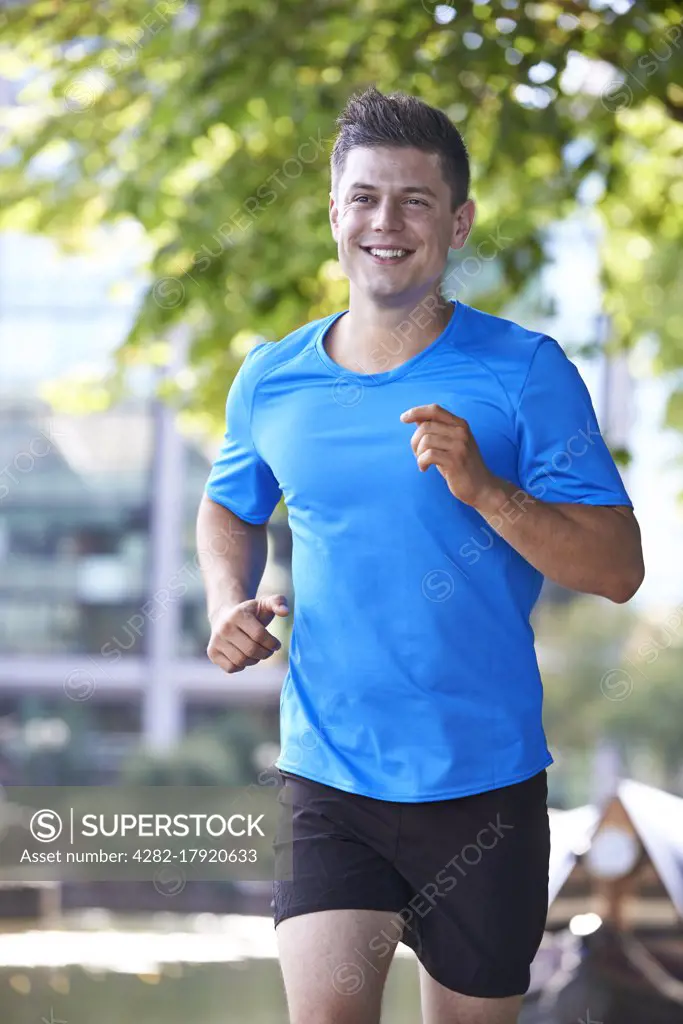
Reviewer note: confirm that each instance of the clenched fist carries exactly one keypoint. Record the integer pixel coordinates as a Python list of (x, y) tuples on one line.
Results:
[(238, 634)]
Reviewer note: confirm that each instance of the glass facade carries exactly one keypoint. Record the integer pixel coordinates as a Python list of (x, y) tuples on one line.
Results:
[(73, 534), (78, 529)]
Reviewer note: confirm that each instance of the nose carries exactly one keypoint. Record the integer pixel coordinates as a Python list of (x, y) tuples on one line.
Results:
[(387, 215)]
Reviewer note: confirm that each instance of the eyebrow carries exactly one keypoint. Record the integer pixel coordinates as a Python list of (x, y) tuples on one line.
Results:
[(422, 189)]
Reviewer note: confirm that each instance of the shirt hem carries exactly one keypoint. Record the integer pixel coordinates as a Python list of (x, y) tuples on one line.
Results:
[(231, 507), (449, 795)]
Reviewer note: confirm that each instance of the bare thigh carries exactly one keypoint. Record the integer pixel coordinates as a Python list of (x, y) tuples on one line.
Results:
[(327, 979), (441, 1005)]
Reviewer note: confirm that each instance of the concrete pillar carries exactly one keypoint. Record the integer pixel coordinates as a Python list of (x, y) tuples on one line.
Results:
[(162, 713)]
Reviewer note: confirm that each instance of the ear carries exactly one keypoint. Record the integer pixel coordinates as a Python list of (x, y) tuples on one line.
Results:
[(463, 219), (334, 218)]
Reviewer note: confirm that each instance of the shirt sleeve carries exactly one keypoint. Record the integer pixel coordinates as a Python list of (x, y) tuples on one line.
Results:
[(562, 454), (239, 478)]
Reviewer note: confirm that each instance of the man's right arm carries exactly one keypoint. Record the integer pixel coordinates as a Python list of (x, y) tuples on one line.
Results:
[(232, 557)]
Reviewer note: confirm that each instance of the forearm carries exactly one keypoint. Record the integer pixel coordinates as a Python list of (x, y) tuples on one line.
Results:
[(231, 553), (593, 550)]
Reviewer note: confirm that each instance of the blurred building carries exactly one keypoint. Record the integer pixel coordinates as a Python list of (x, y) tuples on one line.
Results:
[(102, 611), (614, 938)]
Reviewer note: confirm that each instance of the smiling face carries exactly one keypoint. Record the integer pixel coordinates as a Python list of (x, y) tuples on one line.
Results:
[(392, 218)]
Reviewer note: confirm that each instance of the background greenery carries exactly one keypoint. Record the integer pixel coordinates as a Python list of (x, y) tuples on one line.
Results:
[(191, 118)]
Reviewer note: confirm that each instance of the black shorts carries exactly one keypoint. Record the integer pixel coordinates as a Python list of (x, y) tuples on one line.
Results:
[(467, 878)]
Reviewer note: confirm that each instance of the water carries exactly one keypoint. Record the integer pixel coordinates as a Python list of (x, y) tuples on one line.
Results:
[(155, 971)]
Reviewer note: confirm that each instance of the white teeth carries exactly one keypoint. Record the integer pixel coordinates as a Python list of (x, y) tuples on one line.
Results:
[(389, 252)]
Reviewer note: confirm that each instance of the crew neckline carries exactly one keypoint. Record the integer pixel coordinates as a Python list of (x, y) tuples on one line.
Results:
[(387, 375)]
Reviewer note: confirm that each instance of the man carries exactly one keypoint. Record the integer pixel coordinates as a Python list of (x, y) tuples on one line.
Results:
[(436, 463)]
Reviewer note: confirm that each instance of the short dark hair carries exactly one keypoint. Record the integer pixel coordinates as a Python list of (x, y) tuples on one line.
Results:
[(372, 119)]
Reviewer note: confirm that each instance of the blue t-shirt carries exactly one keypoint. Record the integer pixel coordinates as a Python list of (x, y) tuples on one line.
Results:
[(412, 673)]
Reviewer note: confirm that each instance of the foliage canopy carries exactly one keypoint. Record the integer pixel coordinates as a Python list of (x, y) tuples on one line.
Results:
[(211, 125)]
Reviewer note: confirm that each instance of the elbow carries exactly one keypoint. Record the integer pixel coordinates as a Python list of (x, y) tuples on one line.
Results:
[(627, 585)]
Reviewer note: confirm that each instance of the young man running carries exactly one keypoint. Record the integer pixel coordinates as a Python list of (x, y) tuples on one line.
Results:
[(436, 463)]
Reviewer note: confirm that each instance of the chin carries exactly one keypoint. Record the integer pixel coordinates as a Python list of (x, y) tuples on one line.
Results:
[(403, 291), (385, 281), (384, 295)]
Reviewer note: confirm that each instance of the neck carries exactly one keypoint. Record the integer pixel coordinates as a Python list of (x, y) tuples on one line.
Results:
[(378, 338)]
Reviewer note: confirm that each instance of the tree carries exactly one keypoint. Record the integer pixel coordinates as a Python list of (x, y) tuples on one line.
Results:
[(211, 125), (608, 673)]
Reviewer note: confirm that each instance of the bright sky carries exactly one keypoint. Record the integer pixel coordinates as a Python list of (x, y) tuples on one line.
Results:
[(653, 479)]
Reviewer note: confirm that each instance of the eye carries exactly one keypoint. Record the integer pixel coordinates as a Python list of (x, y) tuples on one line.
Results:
[(420, 202), (357, 198)]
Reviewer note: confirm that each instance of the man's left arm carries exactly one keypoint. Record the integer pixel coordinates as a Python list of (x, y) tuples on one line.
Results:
[(595, 549)]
